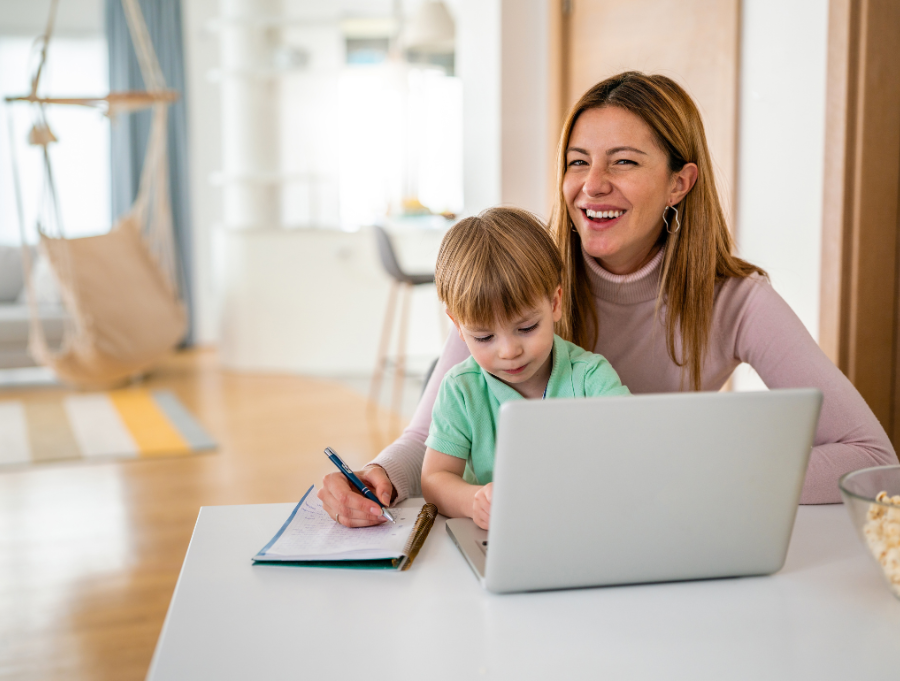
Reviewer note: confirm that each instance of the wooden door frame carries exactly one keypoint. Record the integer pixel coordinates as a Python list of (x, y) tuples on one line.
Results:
[(860, 307)]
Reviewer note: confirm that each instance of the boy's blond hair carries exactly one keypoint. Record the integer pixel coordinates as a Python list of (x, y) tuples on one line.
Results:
[(496, 266)]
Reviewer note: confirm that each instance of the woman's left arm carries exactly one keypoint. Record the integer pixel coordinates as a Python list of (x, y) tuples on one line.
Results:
[(771, 338)]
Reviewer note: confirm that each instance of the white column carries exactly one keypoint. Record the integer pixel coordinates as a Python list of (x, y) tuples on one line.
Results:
[(784, 55), (502, 56), (478, 25), (250, 113)]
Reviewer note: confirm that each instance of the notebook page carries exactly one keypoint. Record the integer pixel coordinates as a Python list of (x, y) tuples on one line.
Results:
[(313, 535)]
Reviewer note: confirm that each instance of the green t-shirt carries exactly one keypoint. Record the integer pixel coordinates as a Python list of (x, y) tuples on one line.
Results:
[(464, 420)]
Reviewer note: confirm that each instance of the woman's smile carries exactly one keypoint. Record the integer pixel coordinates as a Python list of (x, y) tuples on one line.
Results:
[(601, 216)]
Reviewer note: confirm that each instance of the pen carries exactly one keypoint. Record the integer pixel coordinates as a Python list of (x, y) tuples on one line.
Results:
[(351, 476)]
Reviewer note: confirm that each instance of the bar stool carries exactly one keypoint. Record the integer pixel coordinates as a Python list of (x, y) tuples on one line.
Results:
[(403, 283)]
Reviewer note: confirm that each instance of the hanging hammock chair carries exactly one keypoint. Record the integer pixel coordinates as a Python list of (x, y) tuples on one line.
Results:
[(120, 289)]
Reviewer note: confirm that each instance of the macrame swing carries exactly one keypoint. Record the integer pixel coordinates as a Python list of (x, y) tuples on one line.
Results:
[(120, 289)]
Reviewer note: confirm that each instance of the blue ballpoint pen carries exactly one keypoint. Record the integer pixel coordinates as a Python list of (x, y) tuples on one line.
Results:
[(351, 476)]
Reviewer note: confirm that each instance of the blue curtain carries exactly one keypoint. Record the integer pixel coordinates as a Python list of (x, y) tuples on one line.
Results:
[(130, 131)]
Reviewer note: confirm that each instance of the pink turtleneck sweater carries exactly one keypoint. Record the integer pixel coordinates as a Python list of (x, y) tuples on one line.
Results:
[(751, 323)]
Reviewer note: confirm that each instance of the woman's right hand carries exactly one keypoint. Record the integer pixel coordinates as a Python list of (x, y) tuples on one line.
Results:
[(343, 502)]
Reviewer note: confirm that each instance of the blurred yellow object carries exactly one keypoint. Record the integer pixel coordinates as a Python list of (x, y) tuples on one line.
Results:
[(152, 430), (412, 206)]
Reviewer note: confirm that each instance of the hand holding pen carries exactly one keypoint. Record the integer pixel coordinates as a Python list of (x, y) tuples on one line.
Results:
[(358, 484)]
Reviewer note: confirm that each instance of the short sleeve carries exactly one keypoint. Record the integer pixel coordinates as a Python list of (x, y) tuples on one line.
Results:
[(600, 379), (451, 430)]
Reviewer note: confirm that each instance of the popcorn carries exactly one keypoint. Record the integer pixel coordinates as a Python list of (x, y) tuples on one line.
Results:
[(882, 533)]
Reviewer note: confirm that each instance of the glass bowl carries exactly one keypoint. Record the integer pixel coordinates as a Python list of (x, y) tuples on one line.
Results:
[(876, 517)]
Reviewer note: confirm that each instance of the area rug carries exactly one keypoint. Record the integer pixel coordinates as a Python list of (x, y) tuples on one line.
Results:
[(117, 424)]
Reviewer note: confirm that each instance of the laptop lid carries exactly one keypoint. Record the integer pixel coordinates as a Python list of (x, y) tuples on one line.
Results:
[(646, 488)]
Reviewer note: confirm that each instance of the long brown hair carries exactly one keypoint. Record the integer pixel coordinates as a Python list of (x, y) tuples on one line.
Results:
[(697, 256)]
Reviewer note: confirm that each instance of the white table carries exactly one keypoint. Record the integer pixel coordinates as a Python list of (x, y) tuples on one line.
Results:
[(826, 615)]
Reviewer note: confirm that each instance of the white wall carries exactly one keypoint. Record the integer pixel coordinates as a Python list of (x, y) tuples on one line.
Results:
[(478, 65), (29, 17), (312, 301), (781, 150), (503, 59)]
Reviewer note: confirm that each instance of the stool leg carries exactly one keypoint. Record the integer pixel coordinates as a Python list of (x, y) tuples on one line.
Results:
[(400, 370), (381, 361)]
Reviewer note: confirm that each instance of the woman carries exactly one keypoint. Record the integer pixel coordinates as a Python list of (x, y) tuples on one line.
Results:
[(652, 284)]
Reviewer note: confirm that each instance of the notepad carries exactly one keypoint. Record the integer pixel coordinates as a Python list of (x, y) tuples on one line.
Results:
[(309, 537)]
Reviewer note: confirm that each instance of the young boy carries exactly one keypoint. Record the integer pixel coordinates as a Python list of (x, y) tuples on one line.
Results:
[(499, 276)]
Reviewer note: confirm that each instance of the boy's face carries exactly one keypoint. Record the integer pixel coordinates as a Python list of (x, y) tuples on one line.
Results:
[(517, 351)]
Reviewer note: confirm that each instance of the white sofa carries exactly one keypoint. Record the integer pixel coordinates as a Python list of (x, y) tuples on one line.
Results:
[(14, 317)]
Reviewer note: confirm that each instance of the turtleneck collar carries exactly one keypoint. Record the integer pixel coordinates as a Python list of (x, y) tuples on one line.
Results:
[(625, 289)]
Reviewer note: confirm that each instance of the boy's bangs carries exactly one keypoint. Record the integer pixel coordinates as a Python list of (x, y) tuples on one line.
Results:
[(503, 292)]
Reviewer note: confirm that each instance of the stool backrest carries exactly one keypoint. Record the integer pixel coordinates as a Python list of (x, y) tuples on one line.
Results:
[(388, 256)]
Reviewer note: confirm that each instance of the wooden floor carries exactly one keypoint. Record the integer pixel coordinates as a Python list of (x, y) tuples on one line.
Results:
[(90, 552)]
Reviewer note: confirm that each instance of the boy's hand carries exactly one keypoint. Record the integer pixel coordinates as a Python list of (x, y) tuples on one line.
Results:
[(343, 502), (481, 506)]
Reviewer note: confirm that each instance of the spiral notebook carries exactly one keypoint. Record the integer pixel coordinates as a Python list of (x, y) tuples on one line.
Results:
[(310, 538)]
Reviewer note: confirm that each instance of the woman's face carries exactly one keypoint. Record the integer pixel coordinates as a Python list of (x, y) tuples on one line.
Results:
[(617, 185)]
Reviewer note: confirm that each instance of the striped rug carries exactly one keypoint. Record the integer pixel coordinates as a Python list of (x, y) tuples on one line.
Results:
[(120, 423)]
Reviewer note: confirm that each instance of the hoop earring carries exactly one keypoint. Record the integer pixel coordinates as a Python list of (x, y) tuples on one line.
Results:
[(677, 221)]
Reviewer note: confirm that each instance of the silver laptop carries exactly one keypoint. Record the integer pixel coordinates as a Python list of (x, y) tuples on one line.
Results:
[(648, 488)]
